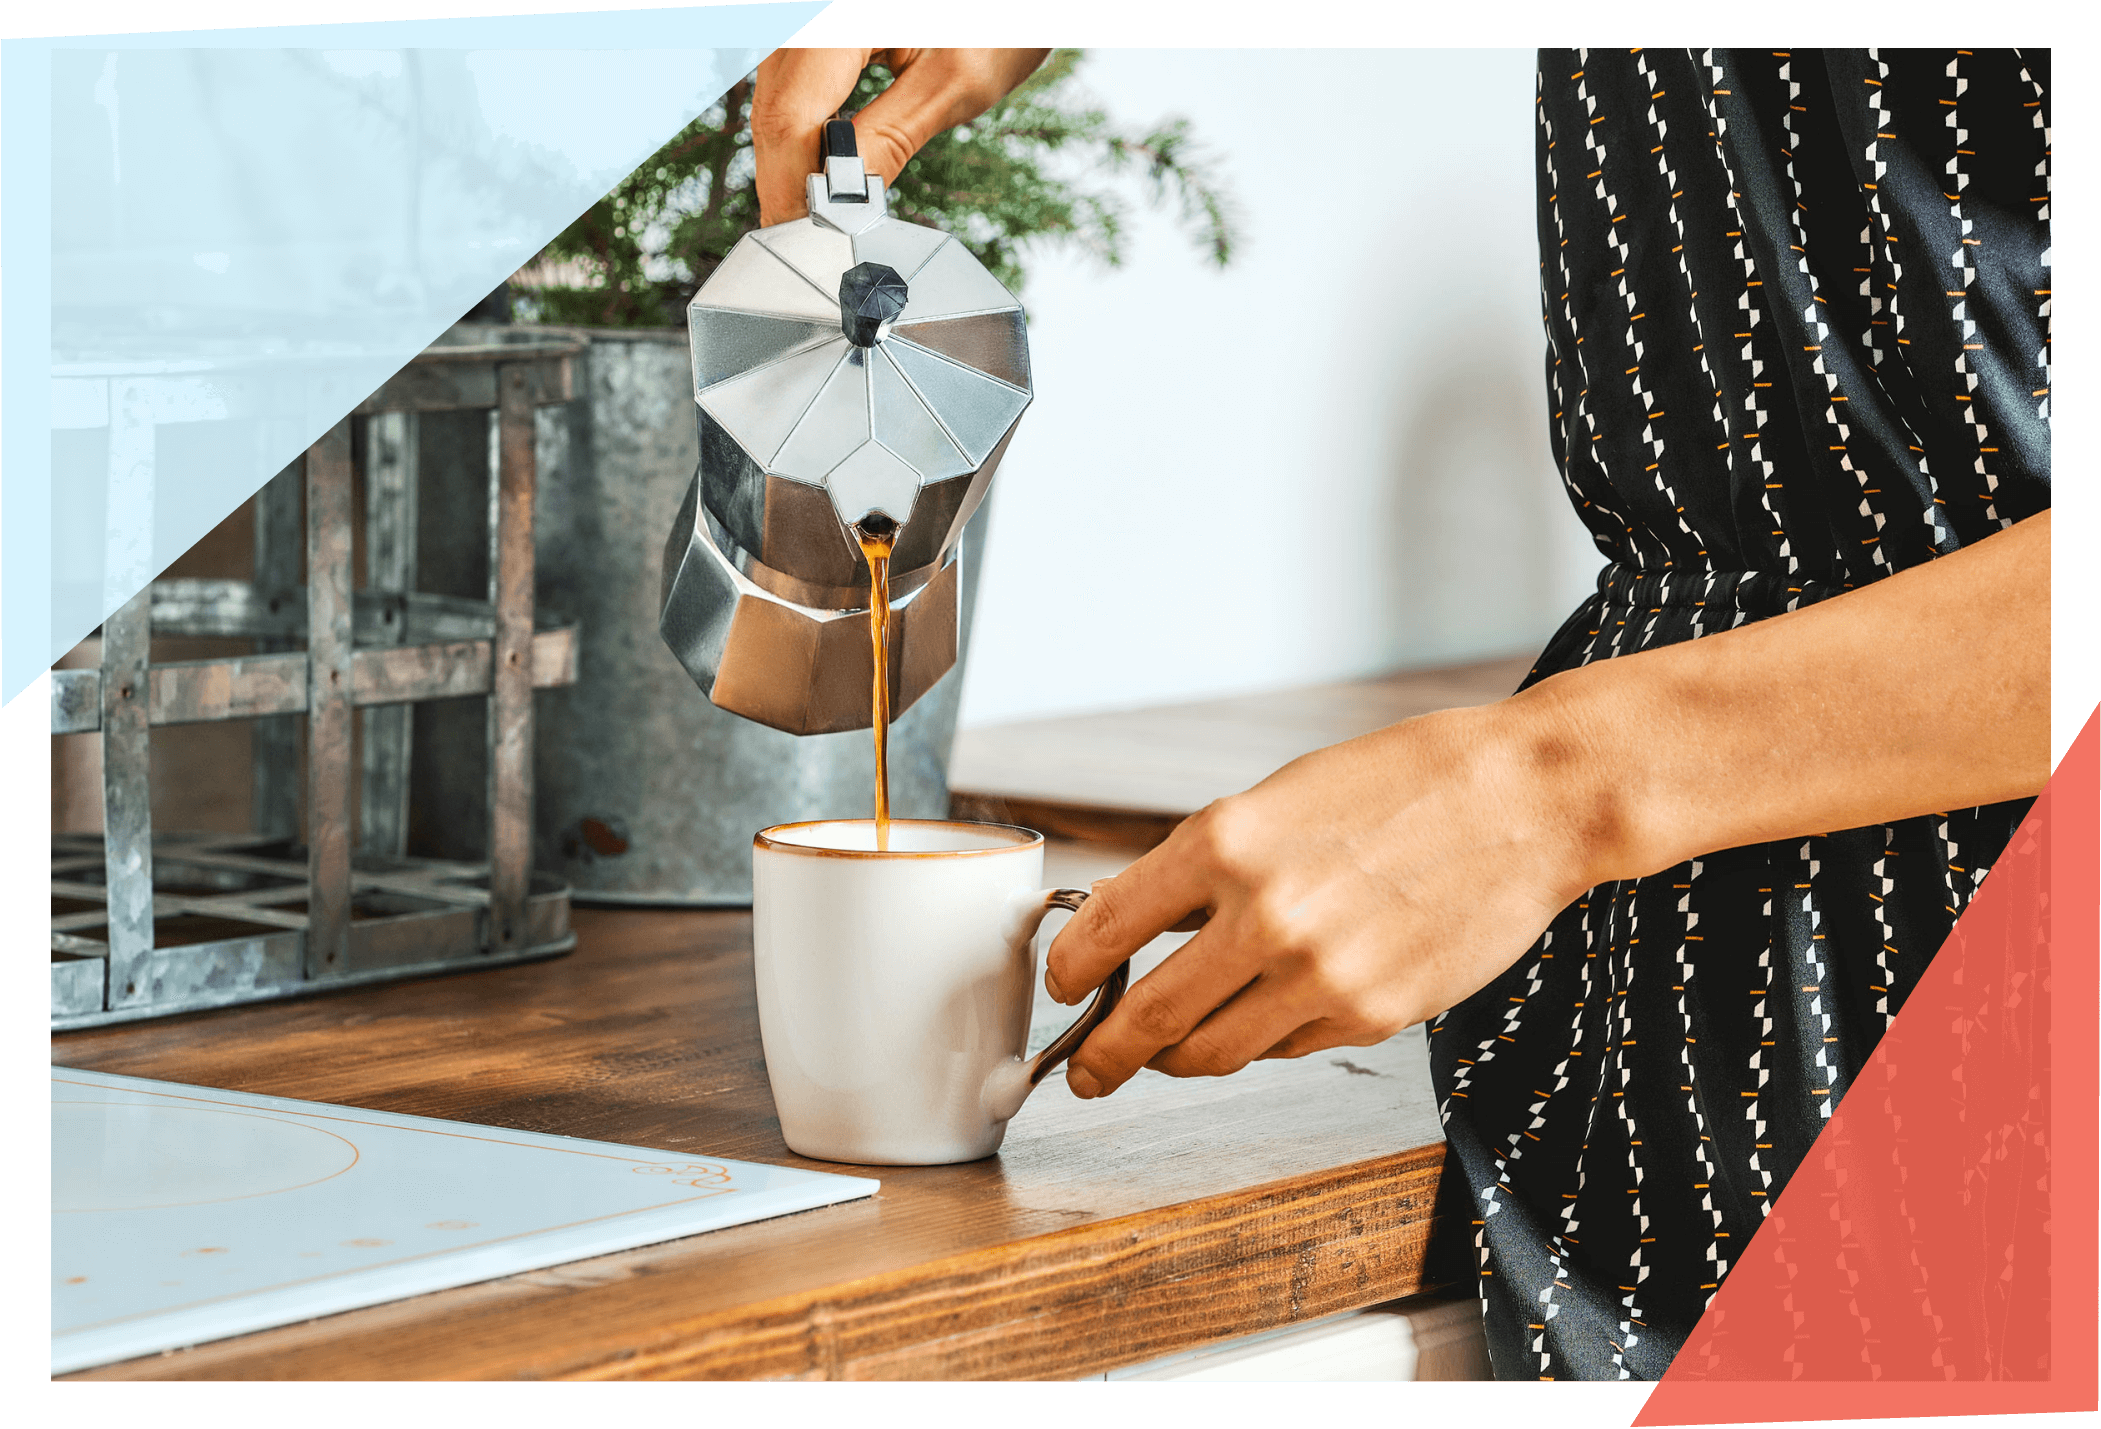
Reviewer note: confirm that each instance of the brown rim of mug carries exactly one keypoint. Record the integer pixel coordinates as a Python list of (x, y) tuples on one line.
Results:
[(1029, 838)]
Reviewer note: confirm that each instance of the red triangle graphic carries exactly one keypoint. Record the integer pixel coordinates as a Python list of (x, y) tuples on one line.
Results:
[(1913, 1266)]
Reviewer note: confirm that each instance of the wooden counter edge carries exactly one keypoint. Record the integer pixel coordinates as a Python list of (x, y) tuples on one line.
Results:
[(1115, 1292), (1118, 1291)]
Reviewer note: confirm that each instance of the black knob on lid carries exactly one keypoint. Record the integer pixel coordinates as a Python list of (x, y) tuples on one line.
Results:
[(871, 295)]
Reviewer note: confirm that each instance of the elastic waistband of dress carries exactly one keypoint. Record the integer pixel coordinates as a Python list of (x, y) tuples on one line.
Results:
[(1755, 593)]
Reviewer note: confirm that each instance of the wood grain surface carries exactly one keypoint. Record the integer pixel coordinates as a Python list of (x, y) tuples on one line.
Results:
[(1128, 776), (1135, 829), (1105, 1233), (1174, 1214)]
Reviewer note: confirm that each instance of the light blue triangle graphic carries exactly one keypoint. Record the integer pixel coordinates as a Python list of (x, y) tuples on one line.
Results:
[(219, 242)]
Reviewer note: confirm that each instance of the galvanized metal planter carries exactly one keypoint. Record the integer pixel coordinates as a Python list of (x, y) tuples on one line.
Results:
[(147, 924)]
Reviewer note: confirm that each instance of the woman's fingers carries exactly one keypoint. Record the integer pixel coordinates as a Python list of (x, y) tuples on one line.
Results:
[(1248, 1026), (1160, 1009), (934, 90), (1162, 890), (798, 90), (1316, 1036), (795, 92)]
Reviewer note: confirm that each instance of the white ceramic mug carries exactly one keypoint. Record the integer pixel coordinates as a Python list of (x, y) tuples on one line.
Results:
[(895, 985)]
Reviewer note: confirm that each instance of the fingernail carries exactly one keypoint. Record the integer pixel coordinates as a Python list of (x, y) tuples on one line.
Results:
[(1082, 1082), (1050, 985)]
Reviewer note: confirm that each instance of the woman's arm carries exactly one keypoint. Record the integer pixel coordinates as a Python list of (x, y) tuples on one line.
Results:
[(1371, 885)]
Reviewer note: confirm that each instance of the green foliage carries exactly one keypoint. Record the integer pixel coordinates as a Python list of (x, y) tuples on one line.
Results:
[(1002, 184)]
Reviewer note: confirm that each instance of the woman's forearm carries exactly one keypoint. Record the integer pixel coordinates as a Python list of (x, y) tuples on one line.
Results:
[(1378, 882), (1928, 690)]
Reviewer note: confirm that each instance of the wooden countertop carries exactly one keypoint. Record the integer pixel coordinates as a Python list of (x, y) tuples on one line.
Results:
[(1107, 1233), (1175, 1213)]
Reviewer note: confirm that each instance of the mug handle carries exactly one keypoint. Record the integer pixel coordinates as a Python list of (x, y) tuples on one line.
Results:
[(1105, 998)]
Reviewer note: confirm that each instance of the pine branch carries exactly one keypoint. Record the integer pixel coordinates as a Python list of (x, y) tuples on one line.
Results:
[(989, 182)]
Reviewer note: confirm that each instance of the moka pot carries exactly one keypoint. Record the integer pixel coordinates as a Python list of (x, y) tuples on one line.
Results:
[(846, 365)]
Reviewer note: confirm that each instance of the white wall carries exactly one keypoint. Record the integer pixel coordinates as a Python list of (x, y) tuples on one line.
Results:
[(1329, 459)]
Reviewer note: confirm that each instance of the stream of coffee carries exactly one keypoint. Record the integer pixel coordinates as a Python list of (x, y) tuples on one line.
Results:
[(878, 538)]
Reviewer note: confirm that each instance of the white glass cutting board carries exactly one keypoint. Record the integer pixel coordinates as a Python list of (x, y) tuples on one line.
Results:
[(182, 1214)]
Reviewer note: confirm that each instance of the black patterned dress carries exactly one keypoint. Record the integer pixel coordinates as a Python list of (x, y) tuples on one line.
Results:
[(1798, 319)]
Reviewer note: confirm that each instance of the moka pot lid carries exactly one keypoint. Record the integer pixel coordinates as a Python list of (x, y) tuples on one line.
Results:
[(857, 352)]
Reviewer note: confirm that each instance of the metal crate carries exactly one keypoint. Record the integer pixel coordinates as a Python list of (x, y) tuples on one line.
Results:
[(146, 924)]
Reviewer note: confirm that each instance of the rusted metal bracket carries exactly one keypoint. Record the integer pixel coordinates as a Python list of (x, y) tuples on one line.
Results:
[(243, 913), (127, 801), (510, 662), (328, 703), (148, 924), (266, 686)]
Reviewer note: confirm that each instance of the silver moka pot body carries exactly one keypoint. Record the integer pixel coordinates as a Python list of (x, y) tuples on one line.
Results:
[(846, 365)]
